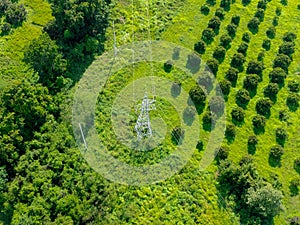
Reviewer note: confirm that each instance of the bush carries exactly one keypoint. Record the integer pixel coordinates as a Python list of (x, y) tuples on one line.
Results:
[(6, 27), (242, 97), (278, 11), (297, 165), (246, 2), (281, 135), (206, 81), (225, 40), (219, 53), (189, 112), (213, 65), (287, 48), (197, 95), (208, 35), (224, 87), (296, 219), (214, 23), (266, 44), (176, 89), (177, 134), (232, 75), (282, 61), (271, 32), (231, 29), (220, 13), (217, 105), (222, 153), (292, 101), (252, 142), (168, 66), (284, 2), (200, 145), (209, 120), (262, 4), (276, 152), (200, 47), (246, 37), (230, 132), (243, 48), (193, 62), (238, 114), (225, 4), (271, 90), (211, 2), (235, 20), (15, 14), (204, 9), (238, 60), (283, 115), (294, 86), (4, 5), (251, 82), (275, 21), (259, 122), (253, 24), (289, 36), (263, 106), (260, 56), (260, 14), (255, 67), (277, 75)]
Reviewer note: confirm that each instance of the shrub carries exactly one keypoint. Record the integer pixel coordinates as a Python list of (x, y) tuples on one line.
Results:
[(231, 29), (278, 11), (276, 152), (200, 145), (208, 35), (266, 44), (220, 13), (225, 4), (281, 135), (242, 97), (197, 95), (238, 114), (232, 75), (235, 20), (206, 81), (4, 5), (222, 152), (277, 75), (6, 27), (283, 115), (292, 101), (225, 40), (211, 2), (189, 112), (287, 48), (294, 86), (204, 9), (246, 37), (176, 89), (260, 14), (238, 60), (255, 67), (246, 2), (168, 66), (252, 142), (263, 106), (297, 165), (271, 32), (289, 36), (253, 24), (243, 48), (271, 91), (217, 105), (224, 87), (251, 82), (193, 61), (284, 2), (213, 65), (177, 134), (282, 61), (259, 122), (209, 120), (219, 53), (262, 4), (214, 23), (200, 47), (275, 21), (230, 131), (298, 7), (260, 56)]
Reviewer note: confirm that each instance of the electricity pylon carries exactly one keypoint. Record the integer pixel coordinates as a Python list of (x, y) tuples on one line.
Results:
[(143, 125)]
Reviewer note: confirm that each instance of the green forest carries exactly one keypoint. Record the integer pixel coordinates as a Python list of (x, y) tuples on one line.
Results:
[(229, 127)]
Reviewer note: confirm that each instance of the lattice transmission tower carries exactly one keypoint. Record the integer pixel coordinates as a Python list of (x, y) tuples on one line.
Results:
[(143, 125)]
